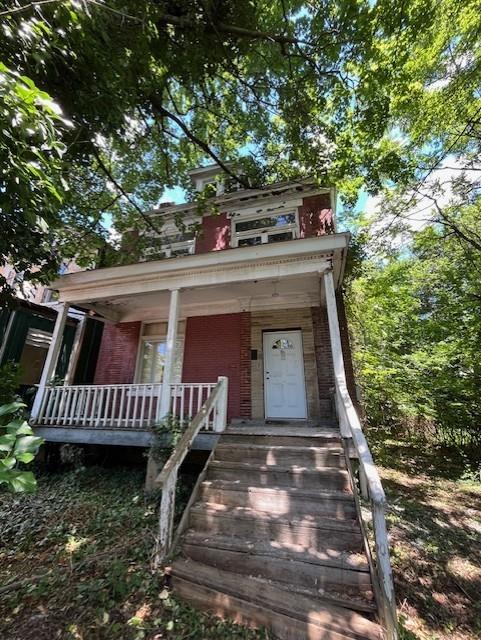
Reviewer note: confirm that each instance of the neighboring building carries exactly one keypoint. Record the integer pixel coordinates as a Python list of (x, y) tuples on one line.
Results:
[(26, 329)]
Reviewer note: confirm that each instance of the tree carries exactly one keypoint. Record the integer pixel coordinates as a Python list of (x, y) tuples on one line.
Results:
[(416, 320), (152, 88)]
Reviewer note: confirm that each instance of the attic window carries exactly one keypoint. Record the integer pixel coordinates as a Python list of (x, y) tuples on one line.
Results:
[(264, 229)]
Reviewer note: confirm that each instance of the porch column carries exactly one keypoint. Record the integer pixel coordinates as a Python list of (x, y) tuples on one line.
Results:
[(163, 409), (335, 337), (165, 394), (75, 354), (51, 360)]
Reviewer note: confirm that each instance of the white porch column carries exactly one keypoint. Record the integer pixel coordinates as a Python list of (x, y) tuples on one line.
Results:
[(336, 346), (52, 357), (77, 345), (172, 327)]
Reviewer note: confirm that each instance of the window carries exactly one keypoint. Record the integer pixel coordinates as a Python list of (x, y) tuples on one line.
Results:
[(171, 247), (283, 343), (152, 361), (248, 232)]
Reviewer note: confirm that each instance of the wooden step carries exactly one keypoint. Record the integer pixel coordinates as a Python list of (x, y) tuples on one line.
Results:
[(308, 531), (296, 572), (284, 501), (316, 440), (264, 475), (306, 457), (322, 554), (258, 602)]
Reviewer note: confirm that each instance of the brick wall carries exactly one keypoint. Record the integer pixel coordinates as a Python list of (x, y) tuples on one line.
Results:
[(215, 234), (217, 346), (118, 353), (245, 366), (325, 370), (315, 216)]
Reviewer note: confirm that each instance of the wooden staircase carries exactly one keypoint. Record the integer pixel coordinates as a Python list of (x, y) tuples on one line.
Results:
[(273, 538)]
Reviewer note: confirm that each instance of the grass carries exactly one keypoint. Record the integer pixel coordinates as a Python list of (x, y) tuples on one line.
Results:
[(81, 549), (434, 523)]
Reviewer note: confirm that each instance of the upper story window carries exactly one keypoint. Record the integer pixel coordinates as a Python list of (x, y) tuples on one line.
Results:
[(171, 246), (263, 229)]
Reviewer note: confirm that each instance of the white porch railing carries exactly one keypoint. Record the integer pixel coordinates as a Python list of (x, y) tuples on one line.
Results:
[(371, 490), (120, 406), (213, 410)]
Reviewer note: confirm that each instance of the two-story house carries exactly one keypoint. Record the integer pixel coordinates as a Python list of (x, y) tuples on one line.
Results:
[(234, 326)]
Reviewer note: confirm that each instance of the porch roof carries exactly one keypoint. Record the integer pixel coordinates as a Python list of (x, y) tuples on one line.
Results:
[(128, 292)]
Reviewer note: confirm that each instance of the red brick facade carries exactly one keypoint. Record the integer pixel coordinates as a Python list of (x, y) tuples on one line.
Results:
[(118, 353), (216, 346), (315, 219), (215, 234), (315, 216), (245, 366)]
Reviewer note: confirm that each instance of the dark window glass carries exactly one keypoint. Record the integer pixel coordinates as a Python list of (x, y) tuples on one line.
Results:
[(250, 242), (268, 222), (280, 237), (180, 252)]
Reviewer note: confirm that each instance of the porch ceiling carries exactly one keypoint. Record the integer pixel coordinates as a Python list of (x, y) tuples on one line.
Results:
[(248, 278)]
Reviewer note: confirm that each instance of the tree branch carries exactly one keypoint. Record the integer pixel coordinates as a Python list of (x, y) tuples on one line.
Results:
[(122, 191), (221, 27), (162, 111)]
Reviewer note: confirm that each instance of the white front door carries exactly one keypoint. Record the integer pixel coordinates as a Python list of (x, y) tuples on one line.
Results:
[(284, 384)]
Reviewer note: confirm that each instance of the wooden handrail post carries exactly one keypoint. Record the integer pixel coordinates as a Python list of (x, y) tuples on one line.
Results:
[(166, 516), (384, 570), (50, 365), (221, 418)]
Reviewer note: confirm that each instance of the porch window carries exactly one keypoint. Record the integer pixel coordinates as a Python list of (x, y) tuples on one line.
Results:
[(248, 232), (181, 244), (152, 360)]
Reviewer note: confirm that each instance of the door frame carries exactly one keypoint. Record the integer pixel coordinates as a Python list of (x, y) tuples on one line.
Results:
[(297, 330)]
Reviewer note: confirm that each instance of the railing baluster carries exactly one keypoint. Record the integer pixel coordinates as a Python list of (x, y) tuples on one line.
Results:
[(182, 404), (122, 403), (57, 396), (142, 407), (191, 403), (129, 402)]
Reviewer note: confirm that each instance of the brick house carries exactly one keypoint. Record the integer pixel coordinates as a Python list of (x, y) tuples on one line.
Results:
[(235, 327), (248, 279)]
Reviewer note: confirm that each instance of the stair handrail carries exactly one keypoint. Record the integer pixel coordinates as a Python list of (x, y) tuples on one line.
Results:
[(167, 478), (372, 490)]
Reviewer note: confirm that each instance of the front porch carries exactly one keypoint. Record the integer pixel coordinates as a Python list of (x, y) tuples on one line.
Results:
[(242, 314)]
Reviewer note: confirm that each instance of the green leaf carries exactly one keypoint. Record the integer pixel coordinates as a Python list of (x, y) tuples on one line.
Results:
[(11, 408), (19, 481), (7, 463), (7, 442), (27, 444), (19, 427), (25, 457)]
